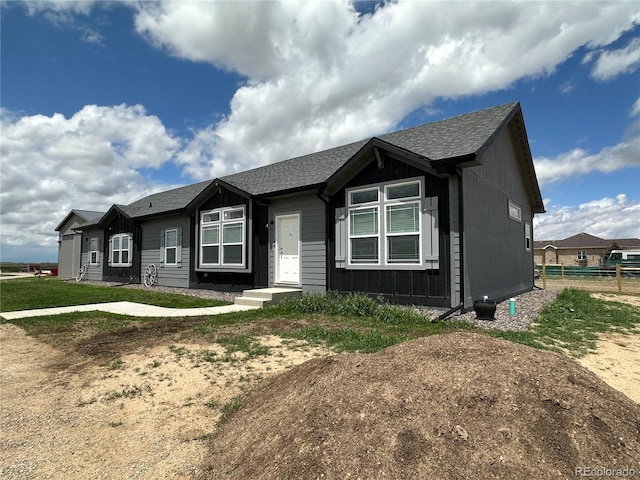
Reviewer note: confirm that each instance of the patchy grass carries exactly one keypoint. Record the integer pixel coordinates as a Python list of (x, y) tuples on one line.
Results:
[(245, 344), (46, 292), (573, 322)]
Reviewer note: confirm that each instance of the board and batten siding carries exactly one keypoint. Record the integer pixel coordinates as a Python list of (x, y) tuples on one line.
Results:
[(420, 286), (152, 253), (495, 263), (313, 267)]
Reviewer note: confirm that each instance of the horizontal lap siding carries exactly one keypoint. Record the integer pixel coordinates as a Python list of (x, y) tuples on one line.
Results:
[(168, 276), (94, 272), (312, 228)]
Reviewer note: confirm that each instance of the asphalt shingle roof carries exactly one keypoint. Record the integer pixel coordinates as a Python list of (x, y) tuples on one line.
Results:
[(450, 138), (586, 240), (164, 202)]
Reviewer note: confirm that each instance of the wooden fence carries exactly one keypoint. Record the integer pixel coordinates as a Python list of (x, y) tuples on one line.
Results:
[(620, 279)]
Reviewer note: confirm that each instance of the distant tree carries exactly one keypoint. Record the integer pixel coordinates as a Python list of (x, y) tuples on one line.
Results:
[(614, 246)]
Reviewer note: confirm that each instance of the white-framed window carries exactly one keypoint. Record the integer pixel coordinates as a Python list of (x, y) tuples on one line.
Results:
[(582, 254), (94, 251), (171, 247), (120, 250), (222, 237), (515, 212), (387, 226), (527, 237)]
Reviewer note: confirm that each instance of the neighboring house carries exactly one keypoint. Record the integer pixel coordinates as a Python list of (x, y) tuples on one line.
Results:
[(439, 214), (581, 249), (70, 243)]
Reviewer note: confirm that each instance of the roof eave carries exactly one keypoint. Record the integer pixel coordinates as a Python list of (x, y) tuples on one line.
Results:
[(290, 191)]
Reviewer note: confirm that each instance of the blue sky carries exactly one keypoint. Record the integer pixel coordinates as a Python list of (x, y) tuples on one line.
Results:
[(106, 102)]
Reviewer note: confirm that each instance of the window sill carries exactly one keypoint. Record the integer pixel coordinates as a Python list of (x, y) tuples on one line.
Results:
[(224, 269), (414, 266)]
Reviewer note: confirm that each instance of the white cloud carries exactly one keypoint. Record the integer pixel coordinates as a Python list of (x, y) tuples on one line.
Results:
[(635, 109), (89, 161), (611, 63), (319, 75), (579, 162), (605, 218)]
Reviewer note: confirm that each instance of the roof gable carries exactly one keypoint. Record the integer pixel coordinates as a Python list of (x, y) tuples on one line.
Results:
[(83, 217)]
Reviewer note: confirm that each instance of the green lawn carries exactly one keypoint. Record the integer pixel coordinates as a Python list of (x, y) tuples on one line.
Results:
[(571, 324), (30, 293)]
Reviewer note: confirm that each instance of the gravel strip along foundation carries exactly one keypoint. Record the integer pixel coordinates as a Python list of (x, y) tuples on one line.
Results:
[(528, 307)]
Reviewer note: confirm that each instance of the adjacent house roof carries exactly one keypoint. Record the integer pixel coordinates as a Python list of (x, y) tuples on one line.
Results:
[(584, 240), (162, 203), (83, 215)]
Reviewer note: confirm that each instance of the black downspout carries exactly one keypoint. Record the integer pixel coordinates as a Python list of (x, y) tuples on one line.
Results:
[(327, 226)]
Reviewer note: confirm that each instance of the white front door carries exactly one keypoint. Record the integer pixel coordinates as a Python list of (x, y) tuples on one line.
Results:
[(288, 249)]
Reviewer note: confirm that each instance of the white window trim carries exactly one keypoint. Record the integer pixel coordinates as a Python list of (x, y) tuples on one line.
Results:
[(382, 236), (120, 236), (581, 255), (527, 236), (221, 222), (176, 247), (96, 251), (515, 211)]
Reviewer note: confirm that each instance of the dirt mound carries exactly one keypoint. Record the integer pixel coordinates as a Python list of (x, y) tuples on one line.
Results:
[(459, 405)]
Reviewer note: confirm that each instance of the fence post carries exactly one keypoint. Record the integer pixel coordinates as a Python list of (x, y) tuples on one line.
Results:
[(619, 277), (544, 276), (562, 271)]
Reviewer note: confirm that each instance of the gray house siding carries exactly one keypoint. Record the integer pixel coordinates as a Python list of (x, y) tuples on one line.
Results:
[(69, 255), (455, 241), (69, 249), (153, 253), (495, 261), (313, 266), (94, 271)]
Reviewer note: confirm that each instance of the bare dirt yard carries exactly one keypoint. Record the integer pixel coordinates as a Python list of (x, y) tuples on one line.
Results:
[(145, 415), (133, 405)]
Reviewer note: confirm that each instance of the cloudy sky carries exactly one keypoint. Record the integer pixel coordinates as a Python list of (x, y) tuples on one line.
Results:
[(106, 102)]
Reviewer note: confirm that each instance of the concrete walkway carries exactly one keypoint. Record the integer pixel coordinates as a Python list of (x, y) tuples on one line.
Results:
[(129, 308)]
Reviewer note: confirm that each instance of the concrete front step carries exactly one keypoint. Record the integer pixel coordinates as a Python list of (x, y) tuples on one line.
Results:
[(262, 297)]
